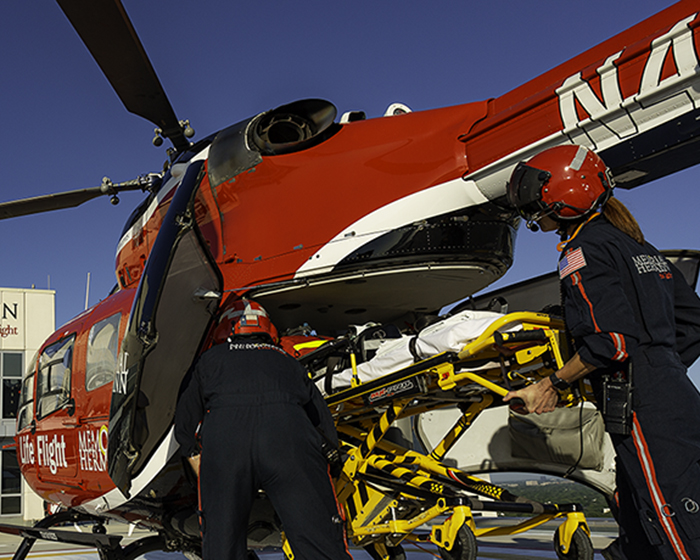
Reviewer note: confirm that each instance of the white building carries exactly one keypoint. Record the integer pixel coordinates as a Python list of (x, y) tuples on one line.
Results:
[(27, 318)]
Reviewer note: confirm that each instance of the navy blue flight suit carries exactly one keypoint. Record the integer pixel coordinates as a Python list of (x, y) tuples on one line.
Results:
[(625, 302), (260, 418)]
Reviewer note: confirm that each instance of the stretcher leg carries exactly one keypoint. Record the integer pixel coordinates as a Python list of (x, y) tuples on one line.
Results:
[(466, 420)]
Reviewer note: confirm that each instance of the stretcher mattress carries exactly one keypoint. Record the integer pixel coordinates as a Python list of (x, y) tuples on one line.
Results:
[(450, 334)]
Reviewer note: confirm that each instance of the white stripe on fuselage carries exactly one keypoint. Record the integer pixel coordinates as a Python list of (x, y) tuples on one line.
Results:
[(434, 201)]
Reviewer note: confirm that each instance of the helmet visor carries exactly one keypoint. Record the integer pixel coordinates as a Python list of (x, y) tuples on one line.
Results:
[(525, 189)]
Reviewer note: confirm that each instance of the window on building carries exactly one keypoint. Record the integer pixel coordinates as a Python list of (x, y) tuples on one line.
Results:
[(102, 352), (53, 383), (11, 381), (11, 486)]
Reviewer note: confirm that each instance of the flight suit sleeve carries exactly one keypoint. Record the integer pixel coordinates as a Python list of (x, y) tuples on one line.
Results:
[(597, 311), (189, 414), (687, 314)]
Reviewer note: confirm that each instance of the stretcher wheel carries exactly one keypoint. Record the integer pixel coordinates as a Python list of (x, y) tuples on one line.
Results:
[(464, 547), (581, 546)]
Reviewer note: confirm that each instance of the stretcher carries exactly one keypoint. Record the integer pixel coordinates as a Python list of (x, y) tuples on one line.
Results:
[(393, 494)]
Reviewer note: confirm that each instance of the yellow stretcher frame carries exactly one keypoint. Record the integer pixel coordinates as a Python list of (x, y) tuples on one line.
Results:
[(379, 477)]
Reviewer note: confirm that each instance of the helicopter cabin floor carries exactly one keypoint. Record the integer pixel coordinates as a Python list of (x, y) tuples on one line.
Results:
[(534, 544)]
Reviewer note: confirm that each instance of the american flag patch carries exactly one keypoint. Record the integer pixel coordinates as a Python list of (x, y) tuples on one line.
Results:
[(571, 262)]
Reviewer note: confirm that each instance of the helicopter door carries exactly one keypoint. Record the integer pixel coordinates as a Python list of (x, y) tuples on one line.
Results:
[(54, 441), (177, 298), (95, 394)]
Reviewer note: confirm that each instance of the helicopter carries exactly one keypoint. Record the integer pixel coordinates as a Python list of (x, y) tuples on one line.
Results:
[(421, 223)]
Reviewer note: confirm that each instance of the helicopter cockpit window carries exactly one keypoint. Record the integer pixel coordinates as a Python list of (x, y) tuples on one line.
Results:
[(102, 352), (53, 384), (26, 397)]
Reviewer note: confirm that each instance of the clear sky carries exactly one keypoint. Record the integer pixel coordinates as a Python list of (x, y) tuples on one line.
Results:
[(221, 61)]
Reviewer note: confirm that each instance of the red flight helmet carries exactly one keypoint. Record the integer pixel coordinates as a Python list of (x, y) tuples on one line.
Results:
[(245, 318), (567, 182)]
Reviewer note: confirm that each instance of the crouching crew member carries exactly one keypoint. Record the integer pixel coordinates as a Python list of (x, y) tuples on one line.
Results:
[(263, 425), (636, 327)]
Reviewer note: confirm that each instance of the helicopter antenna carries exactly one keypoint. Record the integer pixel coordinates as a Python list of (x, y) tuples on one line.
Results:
[(87, 291)]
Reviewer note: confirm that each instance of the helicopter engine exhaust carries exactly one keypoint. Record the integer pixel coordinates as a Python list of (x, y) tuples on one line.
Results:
[(293, 127)]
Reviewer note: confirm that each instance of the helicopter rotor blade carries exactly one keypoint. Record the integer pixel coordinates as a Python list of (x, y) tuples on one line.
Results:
[(68, 199), (107, 32)]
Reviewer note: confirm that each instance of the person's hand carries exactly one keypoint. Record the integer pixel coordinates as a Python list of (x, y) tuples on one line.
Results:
[(543, 396), (538, 398)]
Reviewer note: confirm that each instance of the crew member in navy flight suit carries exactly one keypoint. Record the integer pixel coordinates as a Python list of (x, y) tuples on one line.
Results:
[(263, 425), (635, 323)]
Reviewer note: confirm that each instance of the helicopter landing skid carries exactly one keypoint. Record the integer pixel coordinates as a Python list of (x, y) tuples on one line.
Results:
[(108, 546)]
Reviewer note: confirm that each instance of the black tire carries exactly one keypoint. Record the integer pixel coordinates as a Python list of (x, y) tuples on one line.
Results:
[(464, 547), (395, 552), (581, 546)]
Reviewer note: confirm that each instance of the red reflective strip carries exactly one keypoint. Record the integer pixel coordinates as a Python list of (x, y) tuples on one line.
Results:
[(199, 495), (341, 512), (618, 339), (655, 491), (576, 281)]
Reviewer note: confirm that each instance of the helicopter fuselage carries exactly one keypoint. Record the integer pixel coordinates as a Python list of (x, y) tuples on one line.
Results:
[(326, 223)]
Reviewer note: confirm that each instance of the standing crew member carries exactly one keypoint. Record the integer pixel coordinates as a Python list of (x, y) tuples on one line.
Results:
[(636, 327), (263, 425)]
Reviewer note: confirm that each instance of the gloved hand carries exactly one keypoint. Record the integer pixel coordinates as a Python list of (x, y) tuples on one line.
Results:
[(332, 455)]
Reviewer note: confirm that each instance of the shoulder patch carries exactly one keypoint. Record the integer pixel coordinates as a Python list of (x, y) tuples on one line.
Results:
[(571, 262)]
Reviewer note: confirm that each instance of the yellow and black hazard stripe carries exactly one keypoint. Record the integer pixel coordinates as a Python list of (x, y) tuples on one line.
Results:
[(357, 500), (411, 478), (481, 487), (382, 427)]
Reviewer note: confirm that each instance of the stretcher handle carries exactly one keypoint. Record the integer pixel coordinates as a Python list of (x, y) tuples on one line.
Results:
[(486, 338), (535, 335)]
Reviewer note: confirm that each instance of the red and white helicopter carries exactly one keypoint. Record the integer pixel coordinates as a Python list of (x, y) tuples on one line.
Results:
[(401, 215)]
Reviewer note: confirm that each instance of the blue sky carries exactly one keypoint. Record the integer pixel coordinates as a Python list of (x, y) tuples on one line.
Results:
[(63, 127)]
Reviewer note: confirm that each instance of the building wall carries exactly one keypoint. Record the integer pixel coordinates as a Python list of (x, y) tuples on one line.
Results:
[(27, 318)]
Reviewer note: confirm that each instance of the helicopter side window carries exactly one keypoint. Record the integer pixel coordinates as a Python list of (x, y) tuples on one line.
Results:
[(53, 383), (102, 352), (26, 397)]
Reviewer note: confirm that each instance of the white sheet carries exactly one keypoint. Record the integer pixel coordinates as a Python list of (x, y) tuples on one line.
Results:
[(450, 334)]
